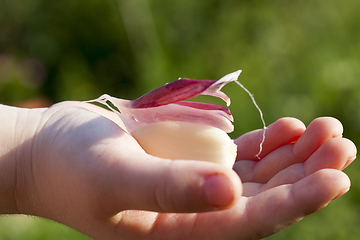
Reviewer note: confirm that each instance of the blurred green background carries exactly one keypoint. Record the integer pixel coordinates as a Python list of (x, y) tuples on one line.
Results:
[(299, 59)]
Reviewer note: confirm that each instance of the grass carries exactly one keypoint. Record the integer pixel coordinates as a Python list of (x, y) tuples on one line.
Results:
[(22, 227)]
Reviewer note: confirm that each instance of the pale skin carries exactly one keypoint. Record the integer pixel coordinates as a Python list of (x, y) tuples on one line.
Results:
[(72, 163)]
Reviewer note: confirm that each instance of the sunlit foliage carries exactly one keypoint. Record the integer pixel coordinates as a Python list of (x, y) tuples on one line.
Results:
[(299, 59)]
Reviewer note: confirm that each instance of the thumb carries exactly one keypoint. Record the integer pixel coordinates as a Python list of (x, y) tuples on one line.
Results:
[(161, 185)]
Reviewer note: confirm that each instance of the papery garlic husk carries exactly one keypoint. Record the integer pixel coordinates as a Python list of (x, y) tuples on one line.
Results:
[(186, 140), (167, 126)]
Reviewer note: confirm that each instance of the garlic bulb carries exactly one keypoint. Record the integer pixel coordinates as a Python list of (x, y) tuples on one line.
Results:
[(167, 126), (186, 140)]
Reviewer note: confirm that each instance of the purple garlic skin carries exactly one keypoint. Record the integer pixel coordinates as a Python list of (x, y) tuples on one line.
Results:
[(167, 126)]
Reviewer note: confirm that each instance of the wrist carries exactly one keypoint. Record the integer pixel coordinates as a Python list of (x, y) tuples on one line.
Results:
[(17, 130)]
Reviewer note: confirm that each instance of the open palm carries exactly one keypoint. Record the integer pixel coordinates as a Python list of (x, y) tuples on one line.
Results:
[(91, 175)]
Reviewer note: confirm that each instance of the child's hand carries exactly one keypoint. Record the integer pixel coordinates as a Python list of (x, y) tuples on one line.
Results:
[(89, 174)]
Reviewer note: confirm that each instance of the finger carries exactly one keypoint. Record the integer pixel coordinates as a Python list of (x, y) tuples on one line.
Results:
[(318, 132), (336, 153), (290, 175), (154, 184), (251, 189), (245, 170), (277, 134), (287, 204), (270, 165)]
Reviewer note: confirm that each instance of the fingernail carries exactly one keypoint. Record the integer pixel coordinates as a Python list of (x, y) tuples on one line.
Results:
[(218, 191)]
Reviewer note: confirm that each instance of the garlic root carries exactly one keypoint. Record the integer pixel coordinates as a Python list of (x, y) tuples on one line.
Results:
[(186, 140)]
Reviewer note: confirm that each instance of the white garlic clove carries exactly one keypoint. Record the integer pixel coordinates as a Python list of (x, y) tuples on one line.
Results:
[(186, 140)]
